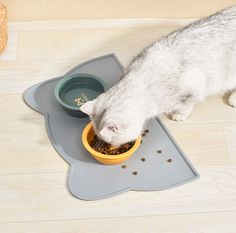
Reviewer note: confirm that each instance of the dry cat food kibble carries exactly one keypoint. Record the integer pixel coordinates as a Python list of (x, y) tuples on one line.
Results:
[(135, 173), (143, 159), (169, 160), (159, 151), (143, 134), (107, 149), (124, 166), (146, 131)]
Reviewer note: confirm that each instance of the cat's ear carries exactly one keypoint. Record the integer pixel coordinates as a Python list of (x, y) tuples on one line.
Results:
[(109, 129), (88, 107)]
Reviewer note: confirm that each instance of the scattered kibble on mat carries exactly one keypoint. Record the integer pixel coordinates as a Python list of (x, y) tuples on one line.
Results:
[(143, 134), (124, 166), (107, 149), (159, 151), (146, 131), (135, 173), (143, 159), (169, 160)]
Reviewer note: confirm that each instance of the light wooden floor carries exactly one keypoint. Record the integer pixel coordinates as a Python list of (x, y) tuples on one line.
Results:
[(33, 192), (103, 9)]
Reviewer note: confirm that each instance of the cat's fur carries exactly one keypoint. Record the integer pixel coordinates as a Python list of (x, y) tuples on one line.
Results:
[(170, 76)]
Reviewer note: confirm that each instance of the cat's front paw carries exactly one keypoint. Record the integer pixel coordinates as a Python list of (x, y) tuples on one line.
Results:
[(232, 100), (179, 116)]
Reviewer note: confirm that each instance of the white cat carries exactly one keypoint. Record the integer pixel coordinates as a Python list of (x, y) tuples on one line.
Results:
[(170, 76)]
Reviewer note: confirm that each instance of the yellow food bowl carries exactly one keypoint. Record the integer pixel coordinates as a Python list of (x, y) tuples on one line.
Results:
[(87, 137)]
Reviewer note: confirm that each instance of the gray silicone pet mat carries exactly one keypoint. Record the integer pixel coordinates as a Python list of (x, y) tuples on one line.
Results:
[(165, 164)]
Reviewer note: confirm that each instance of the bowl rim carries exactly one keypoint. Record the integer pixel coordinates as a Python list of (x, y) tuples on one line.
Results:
[(68, 78), (100, 155)]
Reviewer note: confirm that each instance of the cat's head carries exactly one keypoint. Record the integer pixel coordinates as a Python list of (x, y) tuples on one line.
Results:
[(113, 125)]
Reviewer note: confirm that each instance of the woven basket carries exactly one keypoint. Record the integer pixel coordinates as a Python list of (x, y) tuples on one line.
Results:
[(3, 27)]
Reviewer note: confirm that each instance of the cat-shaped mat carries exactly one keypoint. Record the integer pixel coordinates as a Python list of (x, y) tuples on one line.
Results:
[(157, 164)]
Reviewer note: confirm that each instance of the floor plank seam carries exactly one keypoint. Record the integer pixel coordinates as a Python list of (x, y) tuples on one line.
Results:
[(52, 25), (34, 173), (120, 217)]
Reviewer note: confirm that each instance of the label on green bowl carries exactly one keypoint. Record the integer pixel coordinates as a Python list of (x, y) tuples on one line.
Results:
[(81, 100)]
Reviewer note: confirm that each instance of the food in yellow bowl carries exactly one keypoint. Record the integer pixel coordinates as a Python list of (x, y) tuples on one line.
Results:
[(106, 153), (108, 149)]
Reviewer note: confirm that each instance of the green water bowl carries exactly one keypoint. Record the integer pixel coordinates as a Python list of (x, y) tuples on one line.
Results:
[(73, 91)]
